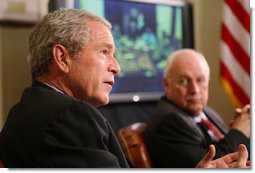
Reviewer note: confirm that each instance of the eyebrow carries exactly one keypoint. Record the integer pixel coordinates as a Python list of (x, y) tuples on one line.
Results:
[(183, 76), (107, 45)]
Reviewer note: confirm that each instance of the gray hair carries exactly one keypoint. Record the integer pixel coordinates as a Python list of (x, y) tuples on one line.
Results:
[(68, 27), (177, 54)]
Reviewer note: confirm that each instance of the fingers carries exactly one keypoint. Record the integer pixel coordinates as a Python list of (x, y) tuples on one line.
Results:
[(232, 160), (229, 158), (242, 157), (206, 161), (246, 108), (238, 112)]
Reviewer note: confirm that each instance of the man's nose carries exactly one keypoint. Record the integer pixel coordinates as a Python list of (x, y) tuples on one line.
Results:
[(114, 67), (194, 87)]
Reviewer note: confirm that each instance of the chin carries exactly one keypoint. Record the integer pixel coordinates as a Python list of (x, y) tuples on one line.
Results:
[(99, 101), (106, 102), (103, 101), (195, 109)]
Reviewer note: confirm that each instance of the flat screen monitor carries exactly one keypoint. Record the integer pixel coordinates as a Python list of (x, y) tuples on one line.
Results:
[(145, 33)]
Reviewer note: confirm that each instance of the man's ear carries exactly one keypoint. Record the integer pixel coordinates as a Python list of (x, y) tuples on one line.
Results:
[(61, 57), (165, 82)]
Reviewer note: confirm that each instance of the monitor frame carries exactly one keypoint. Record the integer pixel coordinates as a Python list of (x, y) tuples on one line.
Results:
[(188, 42)]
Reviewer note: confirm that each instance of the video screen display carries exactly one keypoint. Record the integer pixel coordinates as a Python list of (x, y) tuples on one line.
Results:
[(145, 33)]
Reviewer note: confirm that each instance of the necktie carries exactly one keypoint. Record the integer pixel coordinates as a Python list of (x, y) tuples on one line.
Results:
[(213, 131)]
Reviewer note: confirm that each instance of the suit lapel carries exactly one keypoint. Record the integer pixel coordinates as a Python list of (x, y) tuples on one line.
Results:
[(182, 114), (216, 119)]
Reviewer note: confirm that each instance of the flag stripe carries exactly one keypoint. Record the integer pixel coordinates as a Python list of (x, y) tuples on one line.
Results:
[(238, 73), (236, 29), (246, 6), (240, 13), (235, 87), (227, 86), (236, 49)]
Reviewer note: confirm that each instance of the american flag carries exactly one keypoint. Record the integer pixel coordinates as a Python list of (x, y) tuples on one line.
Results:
[(235, 51)]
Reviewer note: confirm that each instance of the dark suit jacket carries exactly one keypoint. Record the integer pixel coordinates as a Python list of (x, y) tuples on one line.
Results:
[(175, 140), (50, 129)]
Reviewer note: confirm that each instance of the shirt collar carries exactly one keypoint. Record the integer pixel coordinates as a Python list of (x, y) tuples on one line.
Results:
[(54, 88), (197, 119)]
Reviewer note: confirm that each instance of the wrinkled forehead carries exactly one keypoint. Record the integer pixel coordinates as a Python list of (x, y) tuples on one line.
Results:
[(100, 34)]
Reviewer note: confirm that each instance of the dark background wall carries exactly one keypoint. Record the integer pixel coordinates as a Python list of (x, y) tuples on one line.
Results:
[(124, 114)]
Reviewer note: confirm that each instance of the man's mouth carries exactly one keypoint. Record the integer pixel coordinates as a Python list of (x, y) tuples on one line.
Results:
[(110, 82)]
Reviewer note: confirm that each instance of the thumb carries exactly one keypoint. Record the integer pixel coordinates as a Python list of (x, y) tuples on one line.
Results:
[(205, 162), (242, 156)]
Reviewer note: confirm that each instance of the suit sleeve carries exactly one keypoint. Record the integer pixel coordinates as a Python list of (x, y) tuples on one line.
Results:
[(174, 144), (77, 137), (232, 137)]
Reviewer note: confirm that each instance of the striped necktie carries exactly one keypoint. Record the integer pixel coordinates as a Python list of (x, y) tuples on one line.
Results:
[(213, 131)]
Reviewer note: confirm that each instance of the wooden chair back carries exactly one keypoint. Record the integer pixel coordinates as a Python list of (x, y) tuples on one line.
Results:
[(132, 142)]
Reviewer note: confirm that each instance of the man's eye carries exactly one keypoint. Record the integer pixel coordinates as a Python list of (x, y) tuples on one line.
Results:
[(104, 51), (183, 82), (202, 81)]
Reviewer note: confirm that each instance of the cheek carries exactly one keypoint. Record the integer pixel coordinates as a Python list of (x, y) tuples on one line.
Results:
[(205, 95), (91, 69), (177, 93), (180, 95), (83, 74)]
